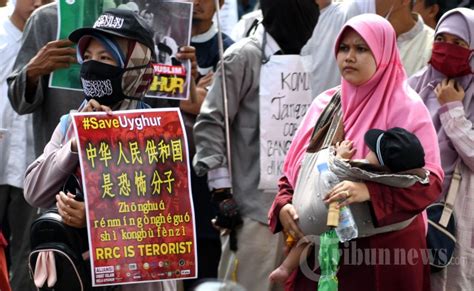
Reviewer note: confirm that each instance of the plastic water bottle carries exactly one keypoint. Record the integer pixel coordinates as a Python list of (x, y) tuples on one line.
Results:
[(327, 179), (347, 228)]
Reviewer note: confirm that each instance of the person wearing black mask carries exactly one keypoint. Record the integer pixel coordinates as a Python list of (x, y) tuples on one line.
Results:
[(116, 71), (250, 252)]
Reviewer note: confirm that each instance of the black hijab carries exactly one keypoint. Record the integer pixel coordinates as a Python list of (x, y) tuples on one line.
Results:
[(290, 22)]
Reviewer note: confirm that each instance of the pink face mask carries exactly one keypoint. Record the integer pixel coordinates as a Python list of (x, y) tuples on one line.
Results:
[(450, 59)]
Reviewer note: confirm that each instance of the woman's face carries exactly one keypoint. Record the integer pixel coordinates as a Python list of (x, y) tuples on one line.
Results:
[(97, 52), (452, 39), (354, 58)]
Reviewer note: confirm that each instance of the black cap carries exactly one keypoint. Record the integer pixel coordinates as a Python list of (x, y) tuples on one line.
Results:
[(119, 22), (163, 47), (396, 148)]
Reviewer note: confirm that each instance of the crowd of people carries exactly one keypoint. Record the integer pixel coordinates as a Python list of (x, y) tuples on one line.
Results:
[(394, 77)]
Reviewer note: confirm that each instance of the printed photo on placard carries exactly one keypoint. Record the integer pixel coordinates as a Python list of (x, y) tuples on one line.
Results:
[(172, 21)]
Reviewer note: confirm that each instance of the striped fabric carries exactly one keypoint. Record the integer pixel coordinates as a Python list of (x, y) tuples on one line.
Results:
[(460, 274)]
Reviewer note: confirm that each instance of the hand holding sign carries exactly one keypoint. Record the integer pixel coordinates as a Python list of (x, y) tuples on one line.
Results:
[(56, 54)]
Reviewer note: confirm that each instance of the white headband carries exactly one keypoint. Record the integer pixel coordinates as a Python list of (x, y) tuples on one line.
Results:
[(378, 150)]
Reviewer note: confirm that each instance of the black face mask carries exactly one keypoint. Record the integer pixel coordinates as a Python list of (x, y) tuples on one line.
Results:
[(102, 82)]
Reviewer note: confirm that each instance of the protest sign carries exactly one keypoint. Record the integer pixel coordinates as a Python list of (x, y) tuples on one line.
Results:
[(285, 97), (73, 14), (170, 22), (135, 173)]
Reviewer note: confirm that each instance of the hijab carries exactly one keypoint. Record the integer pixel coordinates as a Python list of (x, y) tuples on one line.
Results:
[(290, 22), (129, 54), (383, 102), (459, 22)]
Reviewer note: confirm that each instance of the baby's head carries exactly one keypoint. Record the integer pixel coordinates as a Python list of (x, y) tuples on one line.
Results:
[(397, 149)]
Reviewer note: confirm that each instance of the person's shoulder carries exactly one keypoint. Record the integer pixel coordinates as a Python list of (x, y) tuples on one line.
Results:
[(321, 100), (4, 12), (5, 25), (333, 17), (419, 75), (43, 23), (246, 47), (412, 94), (228, 41), (346, 9), (45, 12), (10, 37), (330, 92), (429, 32), (245, 43), (256, 14), (246, 22)]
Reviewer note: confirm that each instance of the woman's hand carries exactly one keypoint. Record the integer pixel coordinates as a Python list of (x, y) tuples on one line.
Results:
[(73, 212), (347, 193), (449, 91), (288, 218), (93, 106)]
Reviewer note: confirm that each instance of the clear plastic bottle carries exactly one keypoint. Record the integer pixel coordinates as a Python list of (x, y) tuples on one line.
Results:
[(347, 228), (327, 179)]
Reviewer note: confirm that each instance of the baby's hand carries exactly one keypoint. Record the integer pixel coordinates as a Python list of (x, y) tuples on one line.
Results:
[(344, 149)]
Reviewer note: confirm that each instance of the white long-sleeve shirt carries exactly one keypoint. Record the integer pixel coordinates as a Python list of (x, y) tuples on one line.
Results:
[(16, 141), (320, 47), (415, 46)]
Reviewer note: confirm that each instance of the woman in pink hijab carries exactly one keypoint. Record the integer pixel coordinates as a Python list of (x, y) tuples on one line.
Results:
[(374, 94), (446, 86)]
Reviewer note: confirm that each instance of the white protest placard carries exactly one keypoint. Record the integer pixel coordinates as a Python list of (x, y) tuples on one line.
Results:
[(285, 96), (137, 189)]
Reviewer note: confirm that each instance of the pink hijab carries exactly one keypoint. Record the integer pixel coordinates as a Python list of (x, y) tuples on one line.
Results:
[(383, 102)]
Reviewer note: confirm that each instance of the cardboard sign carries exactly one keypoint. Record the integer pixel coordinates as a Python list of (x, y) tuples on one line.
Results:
[(136, 179), (285, 96)]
